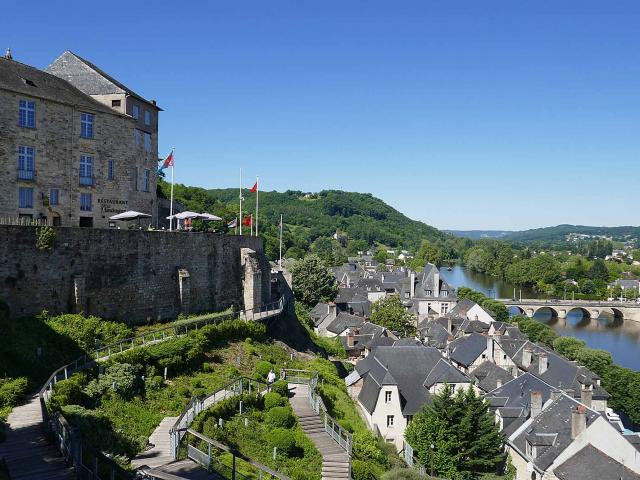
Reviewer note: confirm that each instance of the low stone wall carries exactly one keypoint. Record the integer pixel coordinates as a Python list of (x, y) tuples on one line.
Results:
[(130, 275)]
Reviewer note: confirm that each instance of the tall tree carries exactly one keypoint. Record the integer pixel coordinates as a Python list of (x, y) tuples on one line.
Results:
[(312, 281), (389, 312)]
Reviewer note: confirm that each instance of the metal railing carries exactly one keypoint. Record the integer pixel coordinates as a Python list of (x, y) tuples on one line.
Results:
[(306, 377), (88, 463), (410, 459), (199, 404), (212, 462), (26, 174)]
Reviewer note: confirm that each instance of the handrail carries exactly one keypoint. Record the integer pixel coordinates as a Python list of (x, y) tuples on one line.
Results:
[(152, 337), (410, 459), (341, 436)]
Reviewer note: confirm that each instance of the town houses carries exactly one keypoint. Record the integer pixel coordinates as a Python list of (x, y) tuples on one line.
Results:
[(553, 412)]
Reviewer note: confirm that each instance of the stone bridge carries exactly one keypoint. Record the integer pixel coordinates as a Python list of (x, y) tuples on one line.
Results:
[(589, 308)]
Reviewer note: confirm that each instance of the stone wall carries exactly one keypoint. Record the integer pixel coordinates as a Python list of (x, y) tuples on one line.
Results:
[(130, 275)]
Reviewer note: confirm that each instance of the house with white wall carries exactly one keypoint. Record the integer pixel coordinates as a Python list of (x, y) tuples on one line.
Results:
[(393, 383)]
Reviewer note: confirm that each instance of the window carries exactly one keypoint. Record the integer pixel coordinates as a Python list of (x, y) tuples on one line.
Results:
[(26, 162), (25, 197), (137, 137), (115, 103), (54, 196), (390, 420), (444, 308), (428, 293), (147, 141), (86, 125), (110, 170), (444, 293), (27, 114), (86, 170), (135, 112), (387, 397), (85, 202), (147, 117), (145, 180)]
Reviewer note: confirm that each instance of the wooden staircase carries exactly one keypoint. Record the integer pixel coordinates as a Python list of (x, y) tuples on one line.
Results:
[(336, 462)]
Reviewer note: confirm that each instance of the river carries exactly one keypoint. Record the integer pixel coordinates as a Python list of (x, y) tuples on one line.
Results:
[(621, 338)]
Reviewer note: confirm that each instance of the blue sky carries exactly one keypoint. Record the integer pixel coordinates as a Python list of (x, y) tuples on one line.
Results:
[(463, 114)]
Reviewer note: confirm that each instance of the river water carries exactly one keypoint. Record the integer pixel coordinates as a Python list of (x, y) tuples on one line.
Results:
[(621, 338)]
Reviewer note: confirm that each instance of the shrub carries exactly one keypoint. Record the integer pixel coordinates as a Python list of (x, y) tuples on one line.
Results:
[(273, 399), (284, 440), (12, 390), (121, 378), (154, 383), (46, 237), (262, 368), (69, 392), (280, 417), (364, 470), (402, 474), (281, 387), (365, 447)]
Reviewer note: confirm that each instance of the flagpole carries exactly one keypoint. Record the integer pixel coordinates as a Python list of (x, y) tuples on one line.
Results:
[(171, 204), (257, 195), (280, 263), (240, 200), (236, 229)]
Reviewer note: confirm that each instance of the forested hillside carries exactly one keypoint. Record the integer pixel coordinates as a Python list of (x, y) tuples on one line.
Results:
[(559, 233), (359, 218)]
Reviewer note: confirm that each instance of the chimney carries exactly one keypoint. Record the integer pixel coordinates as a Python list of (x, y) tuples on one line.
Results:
[(586, 395), (490, 348), (412, 279), (332, 311), (449, 325), (436, 283), (555, 394), (8, 55), (578, 421), (536, 404), (498, 383), (526, 358), (350, 338), (543, 362)]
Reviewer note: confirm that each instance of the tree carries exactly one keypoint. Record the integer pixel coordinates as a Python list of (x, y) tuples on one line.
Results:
[(599, 270), (568, 346), (429, 253), (389, 312), (380, 256), (456, 435), (312, 281)]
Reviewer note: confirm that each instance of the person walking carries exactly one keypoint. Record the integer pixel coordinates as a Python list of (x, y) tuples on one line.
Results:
[(271, 377)]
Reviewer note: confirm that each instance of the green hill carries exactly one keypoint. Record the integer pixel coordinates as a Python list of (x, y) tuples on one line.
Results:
[(309, 216), (559, 233)]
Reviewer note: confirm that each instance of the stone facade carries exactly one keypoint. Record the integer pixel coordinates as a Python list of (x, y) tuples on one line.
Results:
[(130, 275), (120, 160)]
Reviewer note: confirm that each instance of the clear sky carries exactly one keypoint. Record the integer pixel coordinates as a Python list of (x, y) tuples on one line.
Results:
[(463, 114)]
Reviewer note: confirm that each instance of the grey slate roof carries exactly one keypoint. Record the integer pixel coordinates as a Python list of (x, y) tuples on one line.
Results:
[(555, 418), (487, 375), (513, 399), (426, 281), (343, 321), (465, 350), (589, 462), (462, 308), (408, 366), (14, 76), (444, 372), (319, 312), (435, 335), (88, 77)]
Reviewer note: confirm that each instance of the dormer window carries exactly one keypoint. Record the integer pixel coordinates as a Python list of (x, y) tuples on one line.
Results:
[(29, 82), (428, 293)]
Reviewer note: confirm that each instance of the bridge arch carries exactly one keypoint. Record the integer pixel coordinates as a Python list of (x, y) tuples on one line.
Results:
[(617, 313), (587, 315), (515, 310)]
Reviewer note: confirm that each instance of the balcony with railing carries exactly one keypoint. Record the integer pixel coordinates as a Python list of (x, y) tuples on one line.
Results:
[(27, 175), (86, 180)]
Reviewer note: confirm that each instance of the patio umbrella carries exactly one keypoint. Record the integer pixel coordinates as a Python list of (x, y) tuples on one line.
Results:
[(208, 216), (130, 215)]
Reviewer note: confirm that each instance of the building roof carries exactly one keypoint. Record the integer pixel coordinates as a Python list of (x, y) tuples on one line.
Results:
[(89, 78), (554, 419), (589, 462), (343, 321), (24, 79), (409, 367), (488, 374), (435, 335), (465, 350), (426, 282), (319, 313)]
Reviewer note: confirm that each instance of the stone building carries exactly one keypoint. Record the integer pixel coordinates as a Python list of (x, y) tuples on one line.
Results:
[(76, 147)]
